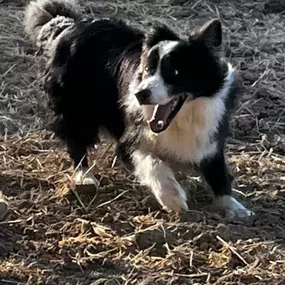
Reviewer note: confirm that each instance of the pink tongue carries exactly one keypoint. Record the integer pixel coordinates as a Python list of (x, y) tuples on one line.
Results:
[(159, 117)]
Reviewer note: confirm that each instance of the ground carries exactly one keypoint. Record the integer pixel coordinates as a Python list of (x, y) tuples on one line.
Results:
[(118, 234)]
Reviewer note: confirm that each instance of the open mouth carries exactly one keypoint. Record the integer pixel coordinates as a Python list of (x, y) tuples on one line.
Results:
[(164, 114)]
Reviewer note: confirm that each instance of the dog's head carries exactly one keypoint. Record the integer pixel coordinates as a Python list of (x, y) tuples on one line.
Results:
[(174, 70)]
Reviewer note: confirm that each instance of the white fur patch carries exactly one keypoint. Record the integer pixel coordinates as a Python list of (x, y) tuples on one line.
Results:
[(166, 47), (153, 173), (84, 176), (232, 207), (158, 88), (130, 102)]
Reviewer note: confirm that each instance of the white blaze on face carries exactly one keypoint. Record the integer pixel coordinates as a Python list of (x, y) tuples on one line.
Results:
[(166, 47), (159, 90), (155, 83)]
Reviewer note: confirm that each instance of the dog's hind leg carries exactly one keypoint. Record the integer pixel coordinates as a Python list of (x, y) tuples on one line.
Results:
[(79, 134), (83, 173)]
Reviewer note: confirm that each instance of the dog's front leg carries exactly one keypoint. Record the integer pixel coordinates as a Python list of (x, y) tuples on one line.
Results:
[(216, 174), (155, 174)]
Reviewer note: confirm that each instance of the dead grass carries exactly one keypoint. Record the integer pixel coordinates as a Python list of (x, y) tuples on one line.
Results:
[(118, 235)]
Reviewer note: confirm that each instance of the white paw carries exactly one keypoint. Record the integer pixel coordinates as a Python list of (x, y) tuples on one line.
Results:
[(233, 208), (241, 213), (172, 197), (84, 176)]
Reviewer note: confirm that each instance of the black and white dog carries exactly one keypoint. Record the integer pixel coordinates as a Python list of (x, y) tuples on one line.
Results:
[(166, 100)]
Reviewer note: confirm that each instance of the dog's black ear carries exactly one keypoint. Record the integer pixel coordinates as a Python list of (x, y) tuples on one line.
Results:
[(159, 32), (210, 33)]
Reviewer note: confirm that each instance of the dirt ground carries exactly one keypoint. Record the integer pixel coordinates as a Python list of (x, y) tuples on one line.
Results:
[(118, 234)]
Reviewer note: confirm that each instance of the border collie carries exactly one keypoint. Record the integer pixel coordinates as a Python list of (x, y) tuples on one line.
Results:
[(165, 100)]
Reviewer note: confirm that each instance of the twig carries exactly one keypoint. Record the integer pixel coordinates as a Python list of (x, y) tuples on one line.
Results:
[(110, 201), (5, 73), (79, 200), (194, 275), (232, 249), (266, 72), (11, 282)]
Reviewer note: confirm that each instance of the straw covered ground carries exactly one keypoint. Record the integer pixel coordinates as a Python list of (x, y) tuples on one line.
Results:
[(118, 234)]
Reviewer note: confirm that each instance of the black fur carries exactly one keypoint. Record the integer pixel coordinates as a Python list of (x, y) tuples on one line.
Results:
[(159, 32), (82, 79)]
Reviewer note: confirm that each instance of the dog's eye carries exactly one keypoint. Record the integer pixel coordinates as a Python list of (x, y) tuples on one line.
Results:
[(176, 72), (146, 69)]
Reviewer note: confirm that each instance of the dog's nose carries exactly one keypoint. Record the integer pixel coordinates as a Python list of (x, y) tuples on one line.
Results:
[(144, 96)]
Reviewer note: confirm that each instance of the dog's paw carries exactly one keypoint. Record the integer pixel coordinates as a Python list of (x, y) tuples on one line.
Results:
[(239, 213), (83, 177), (233, 208), (172, 198)]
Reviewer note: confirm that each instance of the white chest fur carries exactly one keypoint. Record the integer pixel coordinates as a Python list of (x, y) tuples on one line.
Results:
[(189, 136)]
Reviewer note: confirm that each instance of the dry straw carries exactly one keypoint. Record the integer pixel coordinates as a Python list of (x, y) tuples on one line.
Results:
[(117, 233)]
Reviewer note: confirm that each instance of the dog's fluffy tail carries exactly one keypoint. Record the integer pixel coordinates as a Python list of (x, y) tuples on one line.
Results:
[(46, 20)]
